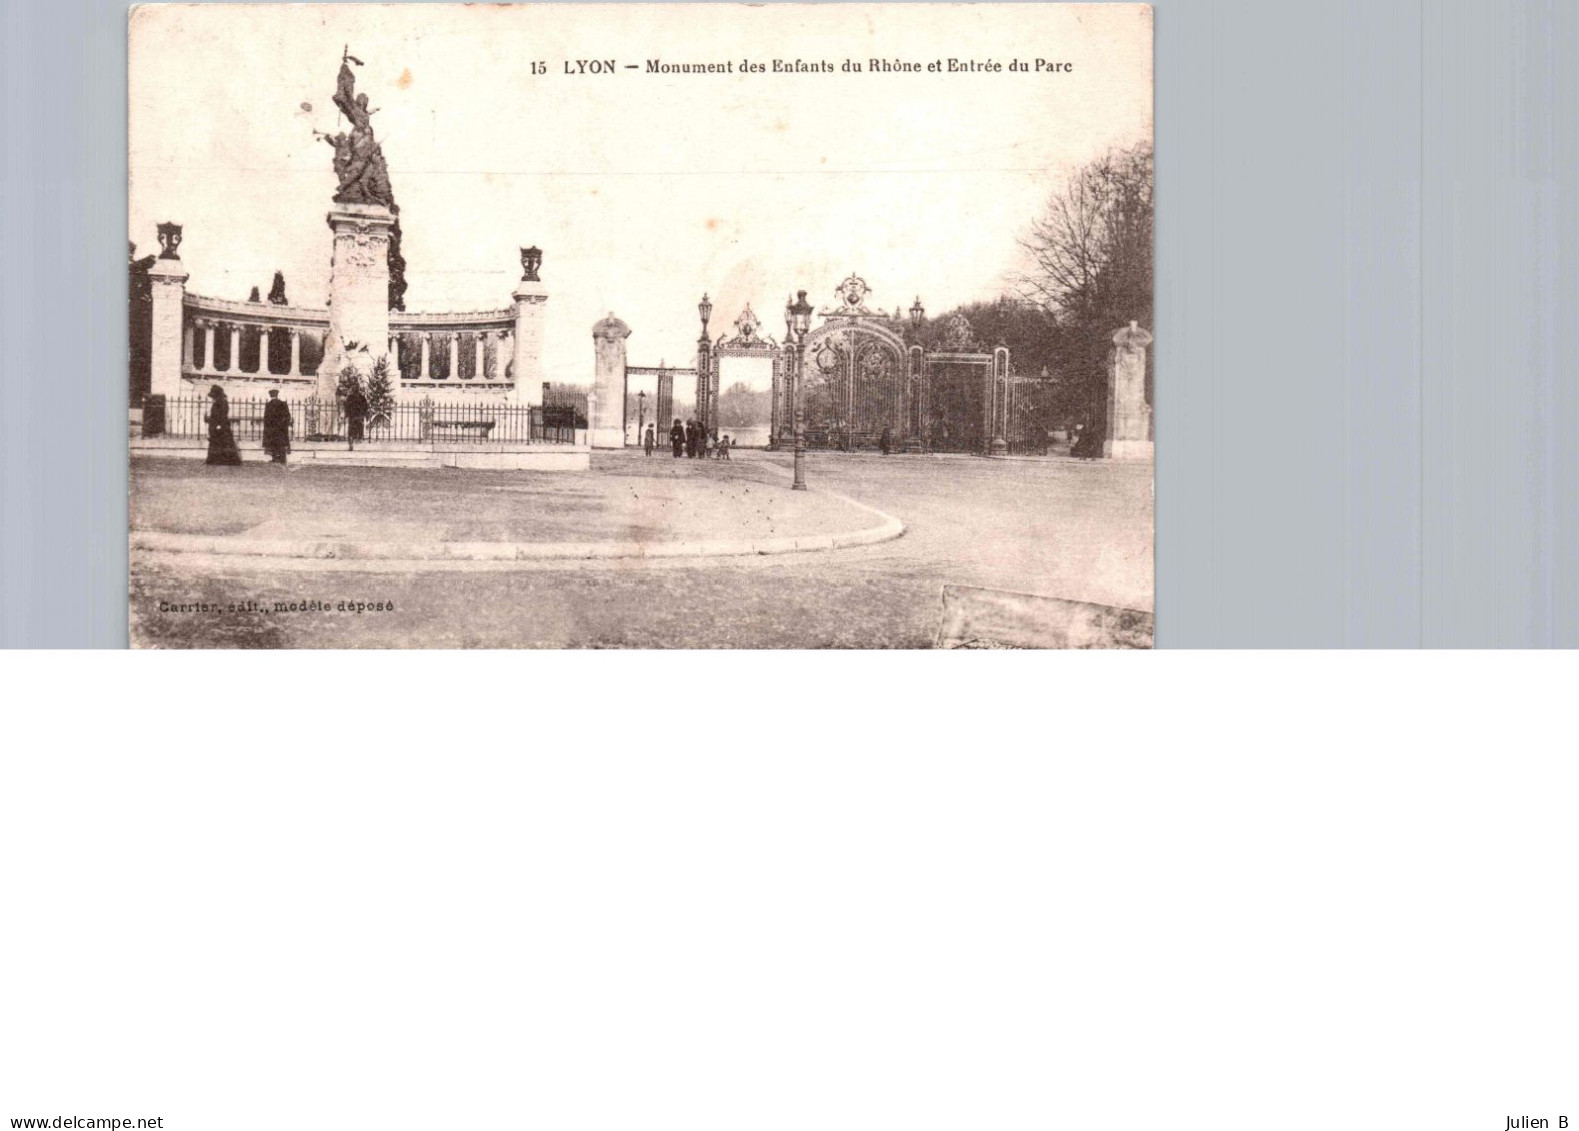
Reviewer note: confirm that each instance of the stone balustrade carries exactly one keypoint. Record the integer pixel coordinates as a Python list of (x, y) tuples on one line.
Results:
[(470, 350), (224, 340), (198, 340)]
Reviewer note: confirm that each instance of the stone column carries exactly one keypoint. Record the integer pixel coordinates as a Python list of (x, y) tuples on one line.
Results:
[(455, 356), (425, 373), (188, 361), (1128, 415), (233, 362), (263, 351), (500, 355), (358, 291), (169, 291), (606, 421), (526, 367), (296, 352), (209, 329), (168, 277), (479, 362)]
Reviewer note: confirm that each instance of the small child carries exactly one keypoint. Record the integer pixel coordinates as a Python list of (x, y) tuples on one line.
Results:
[(723, 447)]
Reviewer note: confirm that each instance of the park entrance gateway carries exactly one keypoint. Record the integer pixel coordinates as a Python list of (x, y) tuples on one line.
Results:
[(866, 373)]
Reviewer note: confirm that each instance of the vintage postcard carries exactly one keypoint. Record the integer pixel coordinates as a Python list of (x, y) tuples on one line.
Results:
[(647, 326)]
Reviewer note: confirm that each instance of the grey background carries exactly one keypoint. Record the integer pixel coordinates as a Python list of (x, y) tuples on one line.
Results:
[(1367, 306)]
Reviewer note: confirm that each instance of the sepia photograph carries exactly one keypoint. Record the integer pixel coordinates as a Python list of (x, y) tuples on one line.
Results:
[(581, 326)]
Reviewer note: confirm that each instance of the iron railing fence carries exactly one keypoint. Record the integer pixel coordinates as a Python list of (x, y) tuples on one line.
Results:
[(315, 420)]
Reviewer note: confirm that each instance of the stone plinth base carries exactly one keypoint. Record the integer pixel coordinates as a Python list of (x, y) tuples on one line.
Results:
[(1129, 449), (605, 438), (358, 292)]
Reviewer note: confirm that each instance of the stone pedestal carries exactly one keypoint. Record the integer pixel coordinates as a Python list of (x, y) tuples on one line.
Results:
[(1128, 415), (358, 292), (168, 277), (526, 364), (606, 408)]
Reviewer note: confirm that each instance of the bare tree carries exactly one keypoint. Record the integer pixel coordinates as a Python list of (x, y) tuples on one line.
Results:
[(1092, 246), (1091, 262)]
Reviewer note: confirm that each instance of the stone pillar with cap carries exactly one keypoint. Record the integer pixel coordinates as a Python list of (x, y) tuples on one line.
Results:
[(1128, 415), (607, 424), (358, 292), (168, 276), (530, 297)]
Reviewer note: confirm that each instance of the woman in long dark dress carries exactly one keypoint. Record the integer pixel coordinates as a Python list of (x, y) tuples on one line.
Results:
[(677, 437), (221, 443)]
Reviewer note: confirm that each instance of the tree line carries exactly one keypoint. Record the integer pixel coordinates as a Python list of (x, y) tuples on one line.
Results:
[(1088, 273)]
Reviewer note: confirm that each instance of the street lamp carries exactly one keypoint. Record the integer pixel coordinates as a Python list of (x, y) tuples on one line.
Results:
[(797, 319), (917, 313), (705, 393)]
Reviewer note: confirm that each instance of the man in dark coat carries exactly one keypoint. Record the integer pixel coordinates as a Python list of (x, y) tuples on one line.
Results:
[(677, 437), (276, 428), (355, 415), (691, 433)]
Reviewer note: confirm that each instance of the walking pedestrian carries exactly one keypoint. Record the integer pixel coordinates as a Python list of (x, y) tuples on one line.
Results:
[(276, 426), (650, 440), (723, 447), (355, 416), (690, 439), (677, 437), (222, 448)]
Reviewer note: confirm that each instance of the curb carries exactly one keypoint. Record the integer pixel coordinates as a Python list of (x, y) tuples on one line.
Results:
[(888, 529)]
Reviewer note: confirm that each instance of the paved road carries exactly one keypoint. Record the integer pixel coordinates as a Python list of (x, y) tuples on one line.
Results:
[(1059, 528)]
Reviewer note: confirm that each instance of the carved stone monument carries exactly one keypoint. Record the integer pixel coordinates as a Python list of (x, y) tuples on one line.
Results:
[(1129, 417), (606, 407), (358, 292), (366, 243)]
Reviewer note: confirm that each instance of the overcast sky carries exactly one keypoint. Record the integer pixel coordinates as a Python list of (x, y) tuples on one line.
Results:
[(643, 190)]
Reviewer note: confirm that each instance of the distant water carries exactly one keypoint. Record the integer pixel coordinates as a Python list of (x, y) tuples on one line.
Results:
[(755, 436)]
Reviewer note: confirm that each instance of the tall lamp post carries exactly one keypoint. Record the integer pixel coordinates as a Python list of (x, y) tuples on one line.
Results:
[(918, 380), (704, 366), (797, 319)]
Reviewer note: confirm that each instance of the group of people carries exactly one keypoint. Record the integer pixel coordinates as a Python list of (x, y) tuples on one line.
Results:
[(222, 449), (690, 439), (277, 422)]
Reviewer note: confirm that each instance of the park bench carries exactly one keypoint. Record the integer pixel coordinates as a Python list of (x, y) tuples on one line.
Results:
[(461, 428)]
